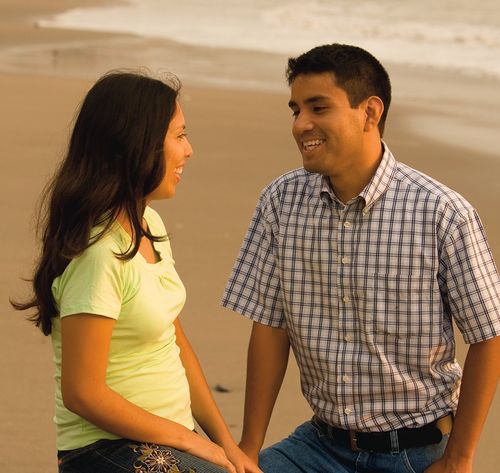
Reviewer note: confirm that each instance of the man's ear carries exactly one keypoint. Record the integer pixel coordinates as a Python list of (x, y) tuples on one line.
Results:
[(374, 107)]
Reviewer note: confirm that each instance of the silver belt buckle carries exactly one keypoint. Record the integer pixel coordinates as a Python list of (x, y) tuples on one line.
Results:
[(354, 441)]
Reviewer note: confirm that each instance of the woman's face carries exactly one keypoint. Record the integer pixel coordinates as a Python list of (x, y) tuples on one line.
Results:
[(176, 149)]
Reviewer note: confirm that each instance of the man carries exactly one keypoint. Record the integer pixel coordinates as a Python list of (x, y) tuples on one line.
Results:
[(360, 264)]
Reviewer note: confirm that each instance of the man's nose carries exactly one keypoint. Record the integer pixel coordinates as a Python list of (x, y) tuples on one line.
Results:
[(302, 123)]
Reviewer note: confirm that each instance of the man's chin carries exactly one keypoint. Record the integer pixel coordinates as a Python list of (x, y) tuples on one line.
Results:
[(309, 167)]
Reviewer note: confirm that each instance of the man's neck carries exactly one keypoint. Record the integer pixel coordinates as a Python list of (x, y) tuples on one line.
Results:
[(352, 181)]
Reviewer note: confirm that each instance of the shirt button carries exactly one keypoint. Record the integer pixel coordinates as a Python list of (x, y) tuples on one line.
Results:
[(346, 378), (346, 299), (348, 338), (347, 410), (347, 224), (345, 259)]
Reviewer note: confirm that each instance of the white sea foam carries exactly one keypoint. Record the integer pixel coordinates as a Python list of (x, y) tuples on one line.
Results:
[(461, 35)]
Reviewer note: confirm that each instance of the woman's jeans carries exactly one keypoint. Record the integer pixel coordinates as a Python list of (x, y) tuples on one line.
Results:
[(123, 456), (309, 450)]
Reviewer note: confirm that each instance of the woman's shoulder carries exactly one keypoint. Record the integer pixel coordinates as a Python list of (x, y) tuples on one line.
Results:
[(106, 242), (155, 222)]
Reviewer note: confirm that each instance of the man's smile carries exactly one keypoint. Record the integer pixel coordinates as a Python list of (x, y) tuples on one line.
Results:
[(310, 145)]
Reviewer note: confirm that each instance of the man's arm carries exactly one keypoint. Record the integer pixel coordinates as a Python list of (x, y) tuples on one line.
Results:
[(480, 378), (267, 361)]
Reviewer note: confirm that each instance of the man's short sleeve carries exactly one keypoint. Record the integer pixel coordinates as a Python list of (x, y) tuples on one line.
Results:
[(471, 282), (91, 283), (254, 288)]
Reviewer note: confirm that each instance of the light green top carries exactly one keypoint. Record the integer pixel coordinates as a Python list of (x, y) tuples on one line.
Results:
[(144, 365)]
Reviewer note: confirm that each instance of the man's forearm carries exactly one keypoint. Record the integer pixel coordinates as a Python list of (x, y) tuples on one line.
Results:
[(268, 353), (480, 378)]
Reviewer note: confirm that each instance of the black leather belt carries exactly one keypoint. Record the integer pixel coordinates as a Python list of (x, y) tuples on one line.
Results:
[(381, 441)]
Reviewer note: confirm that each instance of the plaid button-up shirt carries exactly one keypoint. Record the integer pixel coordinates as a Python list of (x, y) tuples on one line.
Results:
[(368, 290)]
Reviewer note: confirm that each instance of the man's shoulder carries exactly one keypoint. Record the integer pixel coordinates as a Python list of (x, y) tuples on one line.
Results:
[(427, 188), (292, 181)]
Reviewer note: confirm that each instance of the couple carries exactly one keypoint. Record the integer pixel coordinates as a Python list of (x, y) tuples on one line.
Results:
[(357, 262)]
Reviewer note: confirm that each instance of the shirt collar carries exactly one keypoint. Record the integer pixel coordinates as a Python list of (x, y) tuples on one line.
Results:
[(378, 184)]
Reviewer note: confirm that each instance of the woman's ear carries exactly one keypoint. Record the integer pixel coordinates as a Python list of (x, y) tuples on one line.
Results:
[(374, 107)]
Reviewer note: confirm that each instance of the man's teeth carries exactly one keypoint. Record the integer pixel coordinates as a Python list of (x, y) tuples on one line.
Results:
[(311, 144)]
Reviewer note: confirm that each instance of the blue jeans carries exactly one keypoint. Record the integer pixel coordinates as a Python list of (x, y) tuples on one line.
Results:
[(309, 450), (124, 456)]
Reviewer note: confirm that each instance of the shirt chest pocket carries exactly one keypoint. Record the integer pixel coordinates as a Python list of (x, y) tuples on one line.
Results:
[(403, 305)]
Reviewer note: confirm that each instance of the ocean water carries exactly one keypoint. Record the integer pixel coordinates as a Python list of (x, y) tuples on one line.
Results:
[(459, 35)]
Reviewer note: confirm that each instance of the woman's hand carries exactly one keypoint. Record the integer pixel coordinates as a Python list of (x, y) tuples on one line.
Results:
[(207, 450), (240, 460)]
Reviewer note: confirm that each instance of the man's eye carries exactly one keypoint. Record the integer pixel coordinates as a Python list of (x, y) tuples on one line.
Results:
[(319, 109)]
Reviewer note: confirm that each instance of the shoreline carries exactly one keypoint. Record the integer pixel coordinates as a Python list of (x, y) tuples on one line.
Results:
[(241, 136), (443, 106)]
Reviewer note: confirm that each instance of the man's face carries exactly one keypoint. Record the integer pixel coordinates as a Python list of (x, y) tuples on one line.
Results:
[(328, 131)]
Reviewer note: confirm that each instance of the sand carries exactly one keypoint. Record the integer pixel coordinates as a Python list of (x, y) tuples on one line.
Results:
[(442, 124)]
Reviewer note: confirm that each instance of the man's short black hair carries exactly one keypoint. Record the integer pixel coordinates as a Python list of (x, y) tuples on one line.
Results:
[(353, 69)]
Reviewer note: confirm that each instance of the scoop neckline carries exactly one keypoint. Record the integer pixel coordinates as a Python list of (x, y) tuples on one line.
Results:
[(139, 254)]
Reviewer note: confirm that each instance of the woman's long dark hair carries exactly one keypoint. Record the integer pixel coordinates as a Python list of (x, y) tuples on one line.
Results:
[(114, 160)]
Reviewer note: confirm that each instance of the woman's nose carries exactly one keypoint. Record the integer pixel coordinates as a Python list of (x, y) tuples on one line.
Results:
[(189, 150)]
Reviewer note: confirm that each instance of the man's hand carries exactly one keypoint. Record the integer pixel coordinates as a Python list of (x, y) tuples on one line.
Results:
[(444, 465), (479, 381)]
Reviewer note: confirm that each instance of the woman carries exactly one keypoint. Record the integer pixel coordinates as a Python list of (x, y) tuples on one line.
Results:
[(107, 292)]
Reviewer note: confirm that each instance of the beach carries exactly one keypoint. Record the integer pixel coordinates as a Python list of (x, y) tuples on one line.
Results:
[(444, 124)]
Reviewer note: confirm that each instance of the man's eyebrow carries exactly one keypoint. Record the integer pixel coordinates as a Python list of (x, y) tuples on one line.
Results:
[(310, 100)]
